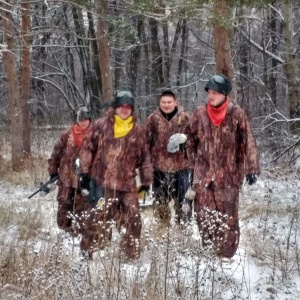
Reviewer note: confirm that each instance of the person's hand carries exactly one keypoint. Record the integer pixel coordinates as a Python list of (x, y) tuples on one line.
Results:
[(143, 188), (175, 141), (190, 194), (251, 178), (84, 180), (51, 185), (52, 176)]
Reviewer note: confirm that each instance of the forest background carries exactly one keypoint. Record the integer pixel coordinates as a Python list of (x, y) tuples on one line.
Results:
[(58, 55)]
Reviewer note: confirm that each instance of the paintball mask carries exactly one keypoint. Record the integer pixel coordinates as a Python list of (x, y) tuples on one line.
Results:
[(82, 113)]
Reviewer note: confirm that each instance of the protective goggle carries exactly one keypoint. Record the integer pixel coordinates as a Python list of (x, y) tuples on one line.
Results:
[(218, 79), (125, 105), (120, 94)]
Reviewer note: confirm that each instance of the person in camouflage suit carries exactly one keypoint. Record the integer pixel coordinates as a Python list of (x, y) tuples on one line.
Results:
[(224, 150), (113, 149), (62, 163), (165, 131)]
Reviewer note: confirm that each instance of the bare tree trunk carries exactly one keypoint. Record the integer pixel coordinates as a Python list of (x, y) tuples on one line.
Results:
[(79, 30), (265, 40), (182, 53), (222, 44), (104, 53), (290, 65), (173, 47), (118, 63), (40, 55), (157, 76), (150, 101), (135, 55), (243, 59), (25, 74), (272, 82), (18, 97), (166, 50), (96, 76)]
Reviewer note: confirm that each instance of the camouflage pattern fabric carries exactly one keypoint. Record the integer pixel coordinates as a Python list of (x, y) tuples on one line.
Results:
[(70, 201), (222, 156), (122, 210), (71, 206), (217, 218), (158, 132), (171, 169), (112, 162), (63, 158)]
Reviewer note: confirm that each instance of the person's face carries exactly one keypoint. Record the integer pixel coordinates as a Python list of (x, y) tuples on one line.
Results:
[(215, 98), (84, 123), (167, 104), (124, 111)]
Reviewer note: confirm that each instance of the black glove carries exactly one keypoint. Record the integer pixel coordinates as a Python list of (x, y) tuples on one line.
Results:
[(251, 178), (84, 180), (54, 175), (145, 188), (182, 147)]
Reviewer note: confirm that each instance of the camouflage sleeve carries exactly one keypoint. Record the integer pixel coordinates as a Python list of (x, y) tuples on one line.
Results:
[(145, 165), (149, 131), (89, 147), (56, 155), (250, 149), (185, 121), (192, 142)]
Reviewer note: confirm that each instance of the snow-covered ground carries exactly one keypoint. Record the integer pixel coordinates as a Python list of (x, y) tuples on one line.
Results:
[(44, 263)]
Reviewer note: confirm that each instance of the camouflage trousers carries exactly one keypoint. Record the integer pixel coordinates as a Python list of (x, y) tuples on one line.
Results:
[(168, 186), (217, 217), (71, 205), (122, 210)]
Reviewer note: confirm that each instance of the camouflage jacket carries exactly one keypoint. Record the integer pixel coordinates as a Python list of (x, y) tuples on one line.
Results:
[(63, 158), (158, 132), (111, 161), (222, 154)]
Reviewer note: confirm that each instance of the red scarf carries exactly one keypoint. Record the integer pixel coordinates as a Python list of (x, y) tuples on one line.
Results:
[(78, 133), (217, 114)]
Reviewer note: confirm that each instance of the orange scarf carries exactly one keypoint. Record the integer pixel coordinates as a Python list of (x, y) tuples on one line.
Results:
[(217, 114), (78, 134)]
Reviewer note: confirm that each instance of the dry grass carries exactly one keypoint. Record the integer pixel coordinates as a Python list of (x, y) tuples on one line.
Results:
[(35, 171), (173, 264), (55, 271)]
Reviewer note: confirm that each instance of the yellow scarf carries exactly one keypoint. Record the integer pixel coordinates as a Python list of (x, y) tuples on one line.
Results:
[(122, 127)]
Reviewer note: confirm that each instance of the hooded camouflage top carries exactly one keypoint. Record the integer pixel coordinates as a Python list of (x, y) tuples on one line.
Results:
[(222, 154), (63, 158), (158, 131), (111, 161)]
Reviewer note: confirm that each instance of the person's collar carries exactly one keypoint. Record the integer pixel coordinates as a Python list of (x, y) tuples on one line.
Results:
[(169, 116), (122, 127), (217, 114)]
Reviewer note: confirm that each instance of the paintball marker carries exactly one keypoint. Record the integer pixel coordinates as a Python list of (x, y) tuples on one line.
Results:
[(45, 187)]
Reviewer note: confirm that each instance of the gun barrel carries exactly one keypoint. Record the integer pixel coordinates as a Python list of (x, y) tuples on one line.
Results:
[(42, 187), (34, 193)]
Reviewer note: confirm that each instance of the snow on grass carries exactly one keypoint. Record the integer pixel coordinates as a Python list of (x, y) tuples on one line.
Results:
[(39, 261)]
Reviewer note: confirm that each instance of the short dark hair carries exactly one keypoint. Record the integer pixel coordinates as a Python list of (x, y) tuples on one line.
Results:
[(167, 93)]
